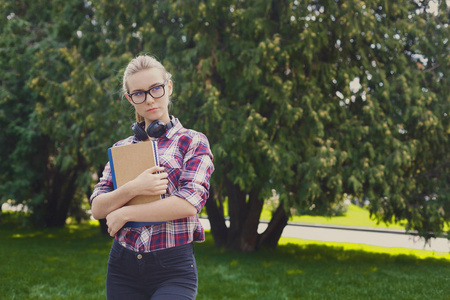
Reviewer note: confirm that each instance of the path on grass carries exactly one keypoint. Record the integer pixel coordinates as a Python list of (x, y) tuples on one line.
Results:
[(395, 238), (343, 234)]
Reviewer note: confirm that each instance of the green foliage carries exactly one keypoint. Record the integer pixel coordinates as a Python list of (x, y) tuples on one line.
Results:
[(23, 148), (273, 84)]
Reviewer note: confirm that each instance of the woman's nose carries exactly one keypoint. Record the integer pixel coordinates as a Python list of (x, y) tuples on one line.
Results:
[(150, 99)]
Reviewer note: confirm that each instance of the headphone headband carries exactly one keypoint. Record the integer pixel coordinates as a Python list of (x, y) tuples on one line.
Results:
[(155, 130)]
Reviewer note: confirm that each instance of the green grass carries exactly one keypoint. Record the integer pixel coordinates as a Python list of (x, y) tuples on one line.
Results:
[(70, 263), (355, 216)]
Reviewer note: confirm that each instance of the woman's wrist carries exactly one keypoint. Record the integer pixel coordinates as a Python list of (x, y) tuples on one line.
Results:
[(129, 190), (125, 214)]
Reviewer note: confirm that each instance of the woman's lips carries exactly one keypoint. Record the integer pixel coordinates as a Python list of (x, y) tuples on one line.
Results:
[(151, 109)]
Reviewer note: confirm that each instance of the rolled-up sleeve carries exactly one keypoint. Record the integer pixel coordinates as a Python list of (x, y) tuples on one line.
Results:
[(104, 185), (198, 167)]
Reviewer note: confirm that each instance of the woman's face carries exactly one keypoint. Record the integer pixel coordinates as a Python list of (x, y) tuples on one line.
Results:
[(151, 109)]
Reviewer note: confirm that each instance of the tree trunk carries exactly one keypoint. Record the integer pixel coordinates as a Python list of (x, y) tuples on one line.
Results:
[(237, 209), (216, 218), (249, 233), (103, 226), (60, 191), (272, 234), (244, 221)]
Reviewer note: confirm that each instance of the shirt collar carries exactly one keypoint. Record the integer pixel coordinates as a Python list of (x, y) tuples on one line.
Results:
[(176, 127)]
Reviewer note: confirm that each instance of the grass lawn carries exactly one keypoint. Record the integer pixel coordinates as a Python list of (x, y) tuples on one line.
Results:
[(70, 263), (355, 216)]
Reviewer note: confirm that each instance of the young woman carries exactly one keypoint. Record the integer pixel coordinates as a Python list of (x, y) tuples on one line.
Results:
[(156, 261)]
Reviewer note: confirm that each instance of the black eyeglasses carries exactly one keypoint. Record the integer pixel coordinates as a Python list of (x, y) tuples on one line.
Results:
[(155, 92)]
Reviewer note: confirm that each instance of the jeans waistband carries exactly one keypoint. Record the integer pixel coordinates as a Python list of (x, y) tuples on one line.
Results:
[(158, 253)]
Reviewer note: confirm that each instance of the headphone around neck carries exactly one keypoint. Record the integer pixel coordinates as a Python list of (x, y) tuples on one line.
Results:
[(155, 130)]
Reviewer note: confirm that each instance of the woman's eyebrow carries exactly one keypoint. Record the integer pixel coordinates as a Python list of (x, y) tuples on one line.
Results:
[(155, 84), (150, 87)]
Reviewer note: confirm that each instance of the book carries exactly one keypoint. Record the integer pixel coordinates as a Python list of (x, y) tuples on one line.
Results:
[(129, 161)]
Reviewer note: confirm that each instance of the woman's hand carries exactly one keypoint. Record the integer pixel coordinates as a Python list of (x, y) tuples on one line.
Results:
[(170, 208), (150, 182), (115, 221)]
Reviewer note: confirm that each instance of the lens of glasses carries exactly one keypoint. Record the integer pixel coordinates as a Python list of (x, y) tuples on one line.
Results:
[(138, 97), (156, 92)]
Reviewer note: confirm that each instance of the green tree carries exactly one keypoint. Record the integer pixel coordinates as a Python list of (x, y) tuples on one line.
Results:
[(60, 106), (313, 99), (24, 146), (274, 85), (66, 63)]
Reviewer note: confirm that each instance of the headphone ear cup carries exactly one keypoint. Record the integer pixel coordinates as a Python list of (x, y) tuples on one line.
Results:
[(139, 132), (156, 129)]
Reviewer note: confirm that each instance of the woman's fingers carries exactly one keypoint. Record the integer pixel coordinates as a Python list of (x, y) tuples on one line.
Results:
[(155, 169), (153, 181), (162, 176)]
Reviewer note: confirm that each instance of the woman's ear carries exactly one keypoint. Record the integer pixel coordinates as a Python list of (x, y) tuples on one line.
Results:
[(128, 98), (170, 84)]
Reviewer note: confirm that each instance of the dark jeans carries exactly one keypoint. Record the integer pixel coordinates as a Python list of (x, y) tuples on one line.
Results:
[(165, 274)]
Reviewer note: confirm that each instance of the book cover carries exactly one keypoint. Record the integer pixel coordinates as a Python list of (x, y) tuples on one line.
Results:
[(127, 162)]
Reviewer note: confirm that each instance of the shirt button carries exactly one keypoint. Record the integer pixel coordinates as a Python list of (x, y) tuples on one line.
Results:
[(139, 256)]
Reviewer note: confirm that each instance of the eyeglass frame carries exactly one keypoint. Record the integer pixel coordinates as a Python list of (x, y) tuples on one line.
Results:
[(148, 92)]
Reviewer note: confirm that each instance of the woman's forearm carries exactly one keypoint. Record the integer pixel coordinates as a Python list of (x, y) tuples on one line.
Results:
[(152, 181), (171, 208), (105, 203), (166, 209)]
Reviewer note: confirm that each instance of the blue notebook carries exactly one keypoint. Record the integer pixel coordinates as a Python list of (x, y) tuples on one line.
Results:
[(127, 162)]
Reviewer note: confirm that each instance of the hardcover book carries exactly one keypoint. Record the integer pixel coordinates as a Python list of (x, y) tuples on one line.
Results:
[(129, 161)]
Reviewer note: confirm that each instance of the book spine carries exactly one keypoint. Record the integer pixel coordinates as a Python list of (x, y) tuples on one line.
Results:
[(155, 155), (155, 152), (111, 165)]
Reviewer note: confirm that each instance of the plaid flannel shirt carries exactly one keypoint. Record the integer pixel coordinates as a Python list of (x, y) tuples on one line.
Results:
[(186, 157)]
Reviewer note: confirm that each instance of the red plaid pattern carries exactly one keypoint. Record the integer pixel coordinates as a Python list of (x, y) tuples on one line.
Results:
[(186, 156)]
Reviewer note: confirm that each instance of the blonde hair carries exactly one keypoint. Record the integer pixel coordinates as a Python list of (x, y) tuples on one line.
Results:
[(139, 63)]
